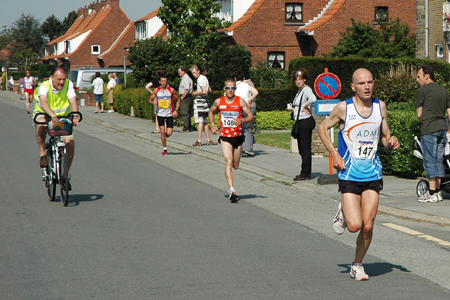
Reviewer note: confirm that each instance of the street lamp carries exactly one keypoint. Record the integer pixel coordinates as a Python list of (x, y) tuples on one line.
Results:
[(125, 67)]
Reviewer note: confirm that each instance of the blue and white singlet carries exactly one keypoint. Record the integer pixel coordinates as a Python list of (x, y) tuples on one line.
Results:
[(358, 144)]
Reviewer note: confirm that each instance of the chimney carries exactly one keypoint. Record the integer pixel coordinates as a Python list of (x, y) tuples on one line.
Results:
[(114, 4), (98, 7), (104, 3), (85, 11), (79, 12)]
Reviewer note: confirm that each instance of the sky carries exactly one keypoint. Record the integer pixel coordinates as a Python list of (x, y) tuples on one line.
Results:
[(10, 10)]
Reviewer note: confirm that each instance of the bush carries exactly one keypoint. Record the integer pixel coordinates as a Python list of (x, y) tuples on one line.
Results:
[(267, 77), (401, 162)]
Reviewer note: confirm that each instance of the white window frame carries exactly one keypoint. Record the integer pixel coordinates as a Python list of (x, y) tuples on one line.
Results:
[(95, 52), (277, 56)]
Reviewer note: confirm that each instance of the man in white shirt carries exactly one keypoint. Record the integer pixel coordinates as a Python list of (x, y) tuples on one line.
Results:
[(98, 92)]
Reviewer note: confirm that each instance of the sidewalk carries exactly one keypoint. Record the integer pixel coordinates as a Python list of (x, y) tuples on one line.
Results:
[(397, 198)]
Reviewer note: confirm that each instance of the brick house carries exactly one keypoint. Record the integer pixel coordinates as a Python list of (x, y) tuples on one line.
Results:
[(279, 30), (98, 38), (432, 35)]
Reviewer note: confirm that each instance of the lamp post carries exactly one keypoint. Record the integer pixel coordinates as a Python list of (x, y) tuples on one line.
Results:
[(125, 67)]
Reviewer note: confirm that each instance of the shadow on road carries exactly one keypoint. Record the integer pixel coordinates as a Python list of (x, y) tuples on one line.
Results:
[(75, 200), (376, 269)]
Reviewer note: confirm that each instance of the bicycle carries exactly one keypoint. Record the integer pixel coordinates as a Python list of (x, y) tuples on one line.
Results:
[(56, 171)]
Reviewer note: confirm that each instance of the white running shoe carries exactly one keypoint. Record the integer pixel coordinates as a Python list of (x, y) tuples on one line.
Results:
[(357, 272), (339, 221), (439, 195), (427, 198)]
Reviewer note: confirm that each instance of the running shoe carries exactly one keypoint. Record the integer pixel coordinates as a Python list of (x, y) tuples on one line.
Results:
[(233, 197), (211, 143), (357, 272), (249, 153), (339, 221), (427, 198), (164, 152), (28, 111)]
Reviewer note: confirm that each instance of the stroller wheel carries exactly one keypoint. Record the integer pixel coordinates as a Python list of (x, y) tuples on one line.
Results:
[(422, 187)]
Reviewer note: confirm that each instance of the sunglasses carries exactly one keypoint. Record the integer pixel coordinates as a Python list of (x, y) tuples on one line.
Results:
[(230, 88)]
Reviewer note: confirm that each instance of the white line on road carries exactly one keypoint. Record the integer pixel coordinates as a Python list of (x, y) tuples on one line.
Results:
[(416, 233)]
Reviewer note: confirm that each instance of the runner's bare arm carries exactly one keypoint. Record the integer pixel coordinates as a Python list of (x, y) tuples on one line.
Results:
[(152, 97), (214, 108), (250, 117)]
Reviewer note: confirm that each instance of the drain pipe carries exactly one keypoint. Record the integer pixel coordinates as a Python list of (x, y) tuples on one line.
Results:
[(426, 29)]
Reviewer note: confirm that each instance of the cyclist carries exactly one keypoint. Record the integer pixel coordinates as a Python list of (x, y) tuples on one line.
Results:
[(56, 96)]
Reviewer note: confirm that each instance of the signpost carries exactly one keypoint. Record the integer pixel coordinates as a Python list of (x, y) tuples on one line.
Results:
[(327, 86)]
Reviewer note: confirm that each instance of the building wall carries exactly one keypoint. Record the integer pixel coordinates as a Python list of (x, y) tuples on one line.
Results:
[(266, 30)]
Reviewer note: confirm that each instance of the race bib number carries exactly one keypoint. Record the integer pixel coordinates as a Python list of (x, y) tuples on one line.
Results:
[(228, 117), (164, 103), (365, 149)]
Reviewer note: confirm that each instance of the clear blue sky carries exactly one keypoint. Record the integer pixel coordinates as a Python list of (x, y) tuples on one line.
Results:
[(11, 10)]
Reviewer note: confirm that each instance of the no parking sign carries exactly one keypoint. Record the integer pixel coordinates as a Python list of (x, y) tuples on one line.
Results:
[(327, 86)]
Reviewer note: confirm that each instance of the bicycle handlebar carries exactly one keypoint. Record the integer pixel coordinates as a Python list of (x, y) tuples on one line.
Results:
[(411, 128), (48, 118)]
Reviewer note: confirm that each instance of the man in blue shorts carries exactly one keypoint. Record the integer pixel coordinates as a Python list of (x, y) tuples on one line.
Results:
[(362, 119), (163, 98), (432, 102)]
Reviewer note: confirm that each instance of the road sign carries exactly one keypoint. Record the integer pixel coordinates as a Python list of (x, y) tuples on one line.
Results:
[(324, 107), (327, 86)]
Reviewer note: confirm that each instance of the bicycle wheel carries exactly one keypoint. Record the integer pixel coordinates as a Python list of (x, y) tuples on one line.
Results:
[(63, 177), (50, 181)]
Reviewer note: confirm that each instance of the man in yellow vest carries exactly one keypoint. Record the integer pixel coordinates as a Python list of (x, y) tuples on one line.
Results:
[(55, 97)]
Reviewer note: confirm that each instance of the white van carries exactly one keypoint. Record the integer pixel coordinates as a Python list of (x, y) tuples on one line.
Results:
[(82, 78)]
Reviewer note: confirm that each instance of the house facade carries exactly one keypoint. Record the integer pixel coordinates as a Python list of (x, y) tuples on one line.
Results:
[(432, 33), (279, 30), (98, 38)]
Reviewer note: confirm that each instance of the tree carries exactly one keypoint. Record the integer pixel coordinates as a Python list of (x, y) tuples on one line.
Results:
[(225, 61), (5, 38), (392, 39), (27, 36), (69, 20), (52, 27), (192, 24)]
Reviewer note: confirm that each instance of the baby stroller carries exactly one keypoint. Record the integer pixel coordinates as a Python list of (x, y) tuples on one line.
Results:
[(423, 185)]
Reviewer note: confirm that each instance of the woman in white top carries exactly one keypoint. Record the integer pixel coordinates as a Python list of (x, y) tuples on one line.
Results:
[(301, 106), (110, 91)]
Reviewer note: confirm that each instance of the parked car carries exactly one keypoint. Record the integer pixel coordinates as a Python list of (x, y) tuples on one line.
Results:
[(82, 78)]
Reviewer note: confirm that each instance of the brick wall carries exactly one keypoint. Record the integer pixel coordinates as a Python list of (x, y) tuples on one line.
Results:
[(266, 30)]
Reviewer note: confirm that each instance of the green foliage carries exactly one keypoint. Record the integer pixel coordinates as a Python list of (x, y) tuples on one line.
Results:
[(274, 120), (192, 24), (392, 39), (5, 38), (265, 76), (344, 68), (52, 27), (149, 55), (225, 61), (401, 162)]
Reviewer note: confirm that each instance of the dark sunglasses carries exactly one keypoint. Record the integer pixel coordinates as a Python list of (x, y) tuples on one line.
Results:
[(230, 87)]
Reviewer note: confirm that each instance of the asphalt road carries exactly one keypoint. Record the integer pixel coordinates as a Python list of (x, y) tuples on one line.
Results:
[(140, 225)]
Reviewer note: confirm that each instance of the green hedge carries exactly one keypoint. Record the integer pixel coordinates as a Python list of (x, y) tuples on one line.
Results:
[(401, 162)]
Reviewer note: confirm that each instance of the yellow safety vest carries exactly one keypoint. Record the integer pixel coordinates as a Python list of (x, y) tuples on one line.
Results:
[(59, 103)]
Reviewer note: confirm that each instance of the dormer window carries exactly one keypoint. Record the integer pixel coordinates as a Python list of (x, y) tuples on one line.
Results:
[(294, 12)]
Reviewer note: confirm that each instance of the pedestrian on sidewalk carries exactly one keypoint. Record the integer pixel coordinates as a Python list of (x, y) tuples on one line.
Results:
[(10, 84), (304, 121), (201, 106), (154, 83), (185, 92), (248, 93), (98, 93), (231, 109), (432, 102), (359, 167), (110, 91), (163, 98)]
